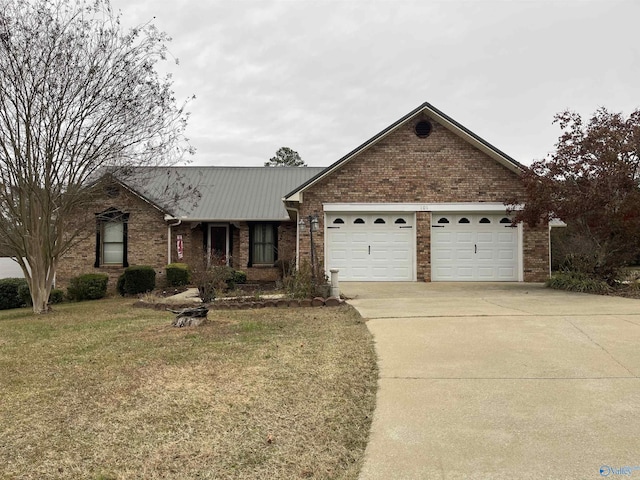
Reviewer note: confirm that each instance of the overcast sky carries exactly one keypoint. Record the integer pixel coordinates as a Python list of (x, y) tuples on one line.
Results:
[(324, 76)]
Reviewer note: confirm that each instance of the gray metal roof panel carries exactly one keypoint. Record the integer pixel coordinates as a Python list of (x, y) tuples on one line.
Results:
[(219, 193)]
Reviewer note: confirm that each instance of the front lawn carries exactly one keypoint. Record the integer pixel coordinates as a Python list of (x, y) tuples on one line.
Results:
[(99, 390)]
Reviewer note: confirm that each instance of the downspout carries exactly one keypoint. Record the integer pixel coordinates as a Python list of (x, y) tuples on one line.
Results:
[(169, 237), (297, 210)]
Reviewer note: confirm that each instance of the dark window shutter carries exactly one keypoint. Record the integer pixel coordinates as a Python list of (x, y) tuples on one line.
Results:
[(98, 226), (250, 263), (205, 237), (275, 242), (125, 242), (231, 227)]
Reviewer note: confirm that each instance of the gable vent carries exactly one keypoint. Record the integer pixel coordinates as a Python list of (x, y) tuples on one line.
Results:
[(423, 129)]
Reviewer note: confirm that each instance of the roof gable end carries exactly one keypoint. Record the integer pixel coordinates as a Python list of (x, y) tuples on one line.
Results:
[(436, 115)]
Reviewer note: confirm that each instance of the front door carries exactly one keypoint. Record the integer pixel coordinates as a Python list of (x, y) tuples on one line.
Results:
[(219, 243)]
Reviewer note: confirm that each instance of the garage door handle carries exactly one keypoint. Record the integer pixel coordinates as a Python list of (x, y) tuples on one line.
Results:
[(369, 249), (476, 248)]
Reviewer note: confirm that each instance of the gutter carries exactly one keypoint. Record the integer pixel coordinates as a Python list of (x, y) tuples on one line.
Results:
[(179, 221)]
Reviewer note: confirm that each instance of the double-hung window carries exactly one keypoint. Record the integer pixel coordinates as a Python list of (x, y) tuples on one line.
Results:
[(111, 238), (112, 242), (264, 244)]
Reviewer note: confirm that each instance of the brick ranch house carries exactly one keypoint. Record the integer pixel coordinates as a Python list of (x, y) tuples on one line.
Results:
[(423, 200)]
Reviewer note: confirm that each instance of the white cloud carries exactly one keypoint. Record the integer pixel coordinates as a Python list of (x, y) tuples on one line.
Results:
[(324, 76)]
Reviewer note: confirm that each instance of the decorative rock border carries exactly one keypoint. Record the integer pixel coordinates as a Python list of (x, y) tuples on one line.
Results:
[(248, 305)]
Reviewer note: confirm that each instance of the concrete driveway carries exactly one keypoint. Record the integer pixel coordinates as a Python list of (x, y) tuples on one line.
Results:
[(498, 381)]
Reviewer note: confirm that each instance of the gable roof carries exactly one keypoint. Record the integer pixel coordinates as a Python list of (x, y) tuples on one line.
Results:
[(436, 115), (223, 193)]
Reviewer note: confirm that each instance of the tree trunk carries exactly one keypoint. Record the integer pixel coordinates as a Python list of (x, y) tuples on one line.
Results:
[(39, 271)]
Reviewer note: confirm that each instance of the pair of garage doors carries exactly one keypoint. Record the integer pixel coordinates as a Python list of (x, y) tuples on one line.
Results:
[(382, 247)]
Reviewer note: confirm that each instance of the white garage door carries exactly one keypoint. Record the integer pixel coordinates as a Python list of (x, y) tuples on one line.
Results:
[(371, 247), (473, 248)]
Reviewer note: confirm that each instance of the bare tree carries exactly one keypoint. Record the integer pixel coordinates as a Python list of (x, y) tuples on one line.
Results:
[(78, 96)]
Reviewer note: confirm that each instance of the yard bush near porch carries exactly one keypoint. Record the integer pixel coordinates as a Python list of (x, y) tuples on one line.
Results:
[(100, 390)]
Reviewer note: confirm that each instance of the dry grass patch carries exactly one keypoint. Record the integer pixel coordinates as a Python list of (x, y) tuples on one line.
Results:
[(100, 390)]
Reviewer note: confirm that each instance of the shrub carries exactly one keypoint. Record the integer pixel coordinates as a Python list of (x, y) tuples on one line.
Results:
[(284, 267), (120, 285), (299, 283), (213, 277), (139, 279), (578, 282), (56, 296), (24, 294), (9, 297), (239, 277), (178, 274), (90, 286)]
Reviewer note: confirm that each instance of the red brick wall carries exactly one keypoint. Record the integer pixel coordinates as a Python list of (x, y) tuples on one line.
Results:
[(147, 241), (193, 248), (403, 168), (536, 253), (286, 250)]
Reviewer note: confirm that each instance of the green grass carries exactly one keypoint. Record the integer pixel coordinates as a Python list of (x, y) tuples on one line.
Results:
[(101, 390)]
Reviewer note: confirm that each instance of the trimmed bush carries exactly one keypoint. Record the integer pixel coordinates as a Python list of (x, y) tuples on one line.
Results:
[(178, 274), (24, 294), (9, 297), (120, 285), (239, 277), (139, 279), (56, 296), (90, 286)]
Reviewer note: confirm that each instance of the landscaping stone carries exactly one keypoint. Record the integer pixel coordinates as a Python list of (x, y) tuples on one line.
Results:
[(332, 302), (245, 304)]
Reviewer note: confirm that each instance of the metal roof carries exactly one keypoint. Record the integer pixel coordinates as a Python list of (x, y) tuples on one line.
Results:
[(218, 193), (433, 113)]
